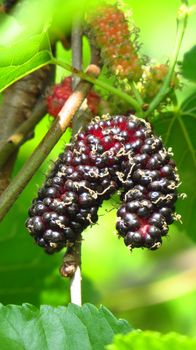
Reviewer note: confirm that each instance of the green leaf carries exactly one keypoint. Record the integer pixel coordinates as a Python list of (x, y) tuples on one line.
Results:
[(23, 57), (178, 130), (188, 106), (74, 327), (189, 64), (10, 29), (148, 340)]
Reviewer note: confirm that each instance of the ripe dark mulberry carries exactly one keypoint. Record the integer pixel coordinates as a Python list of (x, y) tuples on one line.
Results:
[(113, 153)]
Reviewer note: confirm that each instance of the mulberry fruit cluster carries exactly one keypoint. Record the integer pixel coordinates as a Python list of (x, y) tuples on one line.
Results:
[(110, 30), (114, 153), (59, 94)]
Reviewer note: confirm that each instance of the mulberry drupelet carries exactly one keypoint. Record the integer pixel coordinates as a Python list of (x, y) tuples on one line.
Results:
[(113, 153)]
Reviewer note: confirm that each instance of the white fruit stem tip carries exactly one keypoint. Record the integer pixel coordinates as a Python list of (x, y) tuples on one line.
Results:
[(75, 287)]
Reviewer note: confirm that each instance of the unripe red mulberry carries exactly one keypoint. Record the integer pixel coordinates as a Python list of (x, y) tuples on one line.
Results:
[(58, 95), (61, 92), (114, 153), (109, 28)]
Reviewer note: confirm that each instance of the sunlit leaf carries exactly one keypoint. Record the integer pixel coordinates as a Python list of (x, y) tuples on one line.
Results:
[(74, 327), (10, 29), (22, 58), (32, 17), (138, 340)]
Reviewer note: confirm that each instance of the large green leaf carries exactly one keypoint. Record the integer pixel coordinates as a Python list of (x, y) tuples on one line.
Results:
[(23, 57), (28, 328), (147, 340), (178, 130), (22, 36), (189, 64)]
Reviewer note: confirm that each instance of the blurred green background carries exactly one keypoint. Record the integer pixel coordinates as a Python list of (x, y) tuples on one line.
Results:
[(153, 290)]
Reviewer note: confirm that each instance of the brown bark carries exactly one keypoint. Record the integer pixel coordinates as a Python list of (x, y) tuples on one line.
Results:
[(18, 102)]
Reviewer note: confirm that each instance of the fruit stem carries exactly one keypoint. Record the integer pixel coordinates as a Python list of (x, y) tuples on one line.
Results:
[(58, 127), (76, 279), (99, 83), (75, 287), (71, 268), (182, 18)]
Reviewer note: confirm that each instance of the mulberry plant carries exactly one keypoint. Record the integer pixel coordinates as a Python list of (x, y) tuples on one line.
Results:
[(120, 108)]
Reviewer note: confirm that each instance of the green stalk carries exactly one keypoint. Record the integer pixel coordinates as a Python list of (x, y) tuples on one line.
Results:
[(136, 93), (99, 83), (181, 27)]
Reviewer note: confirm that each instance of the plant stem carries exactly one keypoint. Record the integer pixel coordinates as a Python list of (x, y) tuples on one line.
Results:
[(71, 268), (181, 26), (21, 133), (71, 106), (76, 45), (99, 83), (75, 287), (136, 93)]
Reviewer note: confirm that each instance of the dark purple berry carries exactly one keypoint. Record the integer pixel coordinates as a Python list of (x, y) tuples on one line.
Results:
[(53, 236), (121, 228), (118, 153), (133, 239)]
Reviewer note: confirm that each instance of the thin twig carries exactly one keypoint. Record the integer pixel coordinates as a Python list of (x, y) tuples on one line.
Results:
[(21, 133), (48, 142), (76, 45)]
